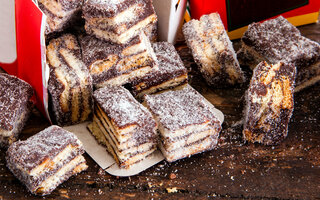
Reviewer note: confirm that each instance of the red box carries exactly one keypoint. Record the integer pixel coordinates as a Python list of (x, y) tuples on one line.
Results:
[(237, 14)]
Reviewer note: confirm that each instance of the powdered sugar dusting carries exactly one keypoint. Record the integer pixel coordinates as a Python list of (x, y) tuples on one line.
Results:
[(278, 40), (121, 107), (14, 97), (168, 58), (46, 144), (180, 108)]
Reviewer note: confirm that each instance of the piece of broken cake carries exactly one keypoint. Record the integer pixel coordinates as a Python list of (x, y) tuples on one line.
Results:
[(114, 64), (60, 14), (124, 125), (70, 83), (277, 40), (118, 21), (186, 122), (15, 107), (269, 103), (47, 159), (212, 50), (170, 72)]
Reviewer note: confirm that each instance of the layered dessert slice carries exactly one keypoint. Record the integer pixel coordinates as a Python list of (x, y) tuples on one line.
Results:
[(15, 107), (60, 14), (118, 21), (212, 50), (70, 83), (186, 122), (170, 73), (47, 159), (269, 103), (113, 64), (277, 40), (123, 125)]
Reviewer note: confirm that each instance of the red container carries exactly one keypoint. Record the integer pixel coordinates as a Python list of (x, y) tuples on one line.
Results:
[(237, 14)]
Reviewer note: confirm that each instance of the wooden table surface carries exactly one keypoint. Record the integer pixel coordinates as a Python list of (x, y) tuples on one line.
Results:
[(235, 169)]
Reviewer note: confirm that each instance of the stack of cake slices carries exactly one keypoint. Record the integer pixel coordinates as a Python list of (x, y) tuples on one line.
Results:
[(60, 14), (113, 64), (46, 159), (118, 21), (212, 50), (277, 40), (170, 73), (70, 84), (186, 121), (15, 107), (122, 124)]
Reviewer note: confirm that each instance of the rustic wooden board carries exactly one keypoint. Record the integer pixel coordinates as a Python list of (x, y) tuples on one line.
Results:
[(235, 169)]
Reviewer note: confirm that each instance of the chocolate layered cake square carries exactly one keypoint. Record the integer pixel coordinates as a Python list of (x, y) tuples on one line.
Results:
[(269, 103), (118, 21), (277, 40), (70, 83), (113, 64), (186, 122), (47, 159), (15, 107), (122, 124), (212, 50), (60, 14), (170, 73)]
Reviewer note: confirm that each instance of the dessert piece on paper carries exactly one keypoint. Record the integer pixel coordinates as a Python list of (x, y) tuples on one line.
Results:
[(70, 83), (187, 122), (47, 159), (212, 50), (171, 72), (105, 160), (277, 40), (15, 107), (113, 64), (269, 103), (119, 21), (123, 125), (60, 14)]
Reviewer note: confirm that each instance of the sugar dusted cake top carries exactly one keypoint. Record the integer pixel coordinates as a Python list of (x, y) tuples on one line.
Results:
[(46, 144), (180, 108), (14, 93), (108, 8), (278, 40), (122, 108)]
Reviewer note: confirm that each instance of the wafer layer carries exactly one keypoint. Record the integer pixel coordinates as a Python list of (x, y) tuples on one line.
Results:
[(112, 64), (70, 84), (170, 73), (123, 125)]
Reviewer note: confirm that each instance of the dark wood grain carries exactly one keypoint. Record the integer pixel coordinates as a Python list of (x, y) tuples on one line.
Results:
[(235, 169)]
